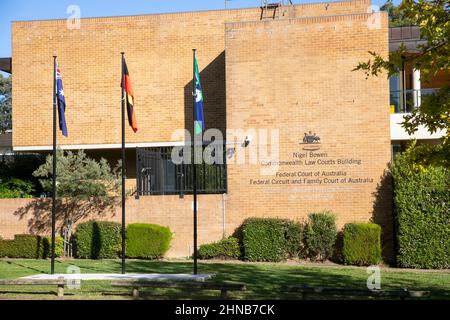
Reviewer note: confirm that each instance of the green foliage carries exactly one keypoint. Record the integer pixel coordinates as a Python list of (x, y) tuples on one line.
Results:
[(320, 235), (422, 204), (362, 244), (294, 239), (47, 247), (26, 246), (85, 186), (16, 175), (5, 104), (147, 241), (7, 248), (397, 17), (434, 114), (98, 240), (269, 239), (418, 157), (433, 19), (224, 249), (78, 176), (16, 188), (30, 247)]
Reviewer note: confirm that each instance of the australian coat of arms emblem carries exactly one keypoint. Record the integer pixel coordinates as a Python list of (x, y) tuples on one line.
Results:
[(311, 141)]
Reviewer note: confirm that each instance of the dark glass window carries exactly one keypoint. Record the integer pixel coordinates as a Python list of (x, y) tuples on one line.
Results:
[(157, 174)]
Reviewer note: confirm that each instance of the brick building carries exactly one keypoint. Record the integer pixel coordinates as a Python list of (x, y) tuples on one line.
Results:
[(288, 76)]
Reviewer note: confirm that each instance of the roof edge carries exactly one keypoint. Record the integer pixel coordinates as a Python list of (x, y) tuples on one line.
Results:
[(339, 2)]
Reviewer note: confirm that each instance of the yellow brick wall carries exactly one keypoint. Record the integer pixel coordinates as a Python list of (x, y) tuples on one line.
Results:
[(159, 56), (22, 216), (296, 76)]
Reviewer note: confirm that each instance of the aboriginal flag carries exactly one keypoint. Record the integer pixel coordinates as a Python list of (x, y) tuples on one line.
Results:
[(129, 96)]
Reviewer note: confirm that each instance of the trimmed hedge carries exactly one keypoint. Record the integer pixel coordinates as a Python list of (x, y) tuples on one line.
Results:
[(147, 241), (422, 202), (47, 247), (23, 246), (320, 235), (29, 246), (270, 239), (362, 244), (294, 239), (98, 240), (6, 248), (224, 249)]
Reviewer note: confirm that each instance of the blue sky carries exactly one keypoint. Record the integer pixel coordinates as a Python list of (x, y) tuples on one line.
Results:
[(13, 10)]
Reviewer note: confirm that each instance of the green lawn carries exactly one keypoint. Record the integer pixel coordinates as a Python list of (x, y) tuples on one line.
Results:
[(263, 279)]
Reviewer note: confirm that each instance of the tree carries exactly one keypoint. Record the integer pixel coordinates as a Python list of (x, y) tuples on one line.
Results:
[(433, 19), (396, 16), (85, 187), (5, 104), (78, 176)]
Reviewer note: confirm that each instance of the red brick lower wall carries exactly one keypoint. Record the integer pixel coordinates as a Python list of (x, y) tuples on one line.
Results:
[(32, 216)]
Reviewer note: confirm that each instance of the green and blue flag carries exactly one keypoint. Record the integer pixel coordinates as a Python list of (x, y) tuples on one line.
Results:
[(199, 123)]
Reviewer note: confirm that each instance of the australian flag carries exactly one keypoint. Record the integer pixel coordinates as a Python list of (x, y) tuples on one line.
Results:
[(61, 101)]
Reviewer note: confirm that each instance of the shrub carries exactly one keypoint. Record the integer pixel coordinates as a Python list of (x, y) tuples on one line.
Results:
[(294, 239), (147, 241), (30, 246), (98, 240), (47, 247), (6, 248), (264, 239), (337, 256), (16, 188), (362, 244), (16, 179), (320, 235), (422, 202), (26, 246), (224, 249), (23, 246)]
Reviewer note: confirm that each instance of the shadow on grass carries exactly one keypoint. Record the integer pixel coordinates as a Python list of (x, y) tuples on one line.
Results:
[(263, 281), (5, 291), (20, 265)]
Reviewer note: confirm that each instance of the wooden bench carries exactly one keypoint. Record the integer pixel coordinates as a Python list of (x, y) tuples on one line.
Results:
[(41, 282), (305, 290), (223, 287)]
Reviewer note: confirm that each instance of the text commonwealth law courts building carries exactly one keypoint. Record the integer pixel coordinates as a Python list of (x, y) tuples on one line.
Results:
[(298, 130)]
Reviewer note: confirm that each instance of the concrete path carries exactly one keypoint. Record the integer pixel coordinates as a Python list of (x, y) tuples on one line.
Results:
[(127, 276)]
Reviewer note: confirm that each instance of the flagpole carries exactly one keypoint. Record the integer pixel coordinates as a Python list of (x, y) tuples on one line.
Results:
[(123, 168), (194, 170), (54, 169)]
